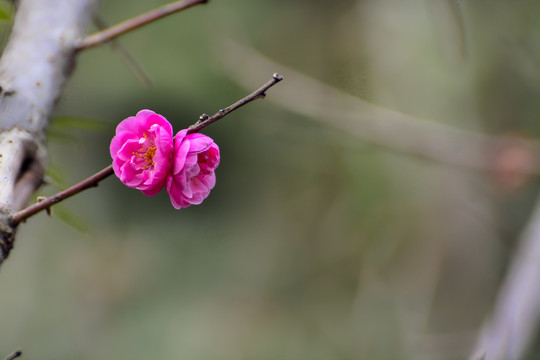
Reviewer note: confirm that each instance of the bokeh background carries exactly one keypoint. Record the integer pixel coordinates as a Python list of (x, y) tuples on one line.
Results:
[(317, 242)]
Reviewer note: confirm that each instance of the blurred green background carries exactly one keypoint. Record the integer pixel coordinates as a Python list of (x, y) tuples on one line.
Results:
[(315, 243)]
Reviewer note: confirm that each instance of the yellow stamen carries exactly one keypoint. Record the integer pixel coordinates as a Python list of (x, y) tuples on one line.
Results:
[(148, 156)]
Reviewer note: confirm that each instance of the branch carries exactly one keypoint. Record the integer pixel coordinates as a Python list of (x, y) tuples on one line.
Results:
[(93, 180), (35, 65), (14, 355), (517, 309), (389, 129), (204, 120), (136, 22)]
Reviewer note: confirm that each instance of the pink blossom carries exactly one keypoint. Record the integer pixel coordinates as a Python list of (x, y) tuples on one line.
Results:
[(196, 156), (142, 151)]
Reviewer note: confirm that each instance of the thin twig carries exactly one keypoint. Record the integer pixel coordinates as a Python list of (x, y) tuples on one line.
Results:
[(204, 121), (93, 180), (136, 22), (125, 56), (14, 355), (62, 195)]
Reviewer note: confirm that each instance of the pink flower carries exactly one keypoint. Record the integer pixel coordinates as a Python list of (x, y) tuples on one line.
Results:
[(196, 156), (142, 151)]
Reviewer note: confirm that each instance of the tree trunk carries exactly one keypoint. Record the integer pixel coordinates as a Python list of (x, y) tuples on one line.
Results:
[(34, 67)]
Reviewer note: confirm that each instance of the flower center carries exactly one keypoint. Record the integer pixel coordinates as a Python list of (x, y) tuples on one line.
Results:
[(146, 152), (149, 155)]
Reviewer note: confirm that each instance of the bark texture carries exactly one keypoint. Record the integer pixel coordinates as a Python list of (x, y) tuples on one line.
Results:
[(34, 67)]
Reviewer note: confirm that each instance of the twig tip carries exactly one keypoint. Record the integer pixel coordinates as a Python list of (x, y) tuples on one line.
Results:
[(277, 77)]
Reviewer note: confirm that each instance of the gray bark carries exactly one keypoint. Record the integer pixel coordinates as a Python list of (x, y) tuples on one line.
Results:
[(34, 67)]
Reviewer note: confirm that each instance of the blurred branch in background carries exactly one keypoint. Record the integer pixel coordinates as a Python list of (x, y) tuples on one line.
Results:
[(510, 331), (390, 129), (126, 57)]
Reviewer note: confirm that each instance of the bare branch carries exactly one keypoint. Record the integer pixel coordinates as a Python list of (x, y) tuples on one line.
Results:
[(93, 180), (136, 22), (204, 120), (14, 355)]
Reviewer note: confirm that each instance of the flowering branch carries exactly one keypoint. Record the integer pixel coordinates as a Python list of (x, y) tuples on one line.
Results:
[(136, 22), (93, 180)]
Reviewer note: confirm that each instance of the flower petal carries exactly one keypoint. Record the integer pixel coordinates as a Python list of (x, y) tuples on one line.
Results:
[(199, 143), (142, 151)]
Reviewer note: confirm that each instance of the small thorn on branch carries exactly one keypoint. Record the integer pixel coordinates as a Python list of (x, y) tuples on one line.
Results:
[(43, 198), (202, 118)]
